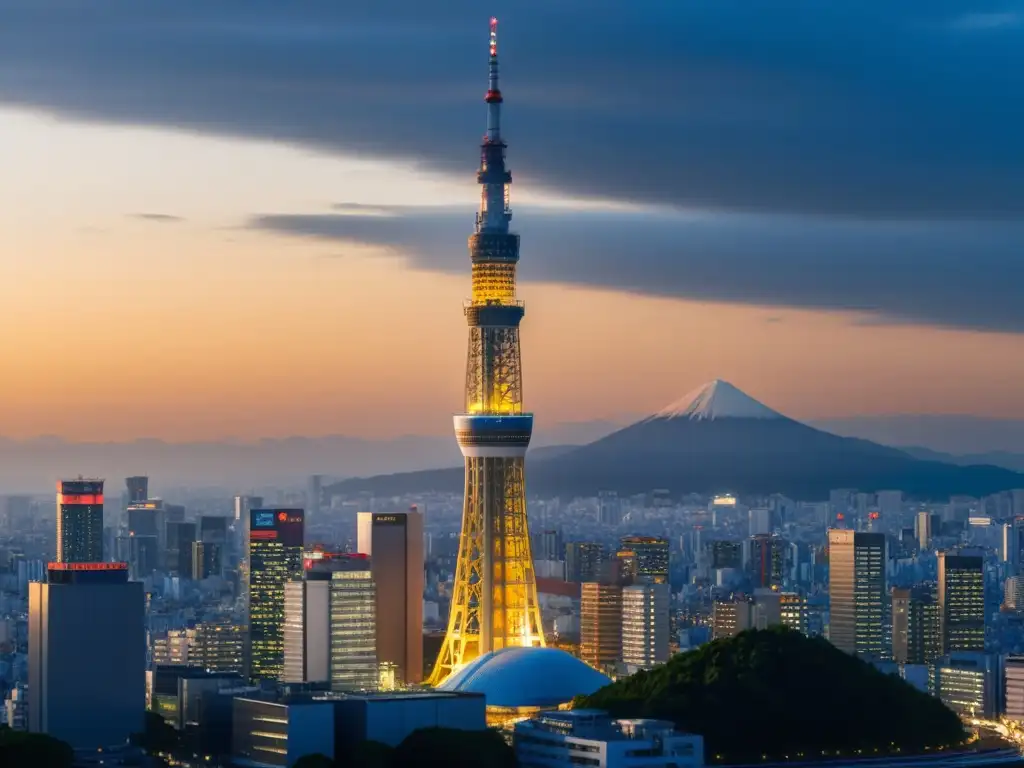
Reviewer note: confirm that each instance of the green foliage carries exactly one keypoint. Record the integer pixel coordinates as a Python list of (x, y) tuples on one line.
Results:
[(316, 760), (158, 735), (772, 694), (370, 754), (33, 750), (452, 748)]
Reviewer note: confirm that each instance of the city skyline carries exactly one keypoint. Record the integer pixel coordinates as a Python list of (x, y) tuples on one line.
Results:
[(300, 232)]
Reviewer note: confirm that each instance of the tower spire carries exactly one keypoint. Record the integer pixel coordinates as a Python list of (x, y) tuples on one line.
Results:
[(494, 602)]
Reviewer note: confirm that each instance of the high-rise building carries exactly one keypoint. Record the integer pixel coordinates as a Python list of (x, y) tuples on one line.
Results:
[(275, 558), (767, 561), (330, 624), (494, 604), (138, 489), (916, 637), (218, 647), (80, 521), (857, 592), (645, 625), (583, 561), (87, 654), (178, 555), (213, 529), (548, 545), (774, 608), (207, 560), (609, 508), (1013, 593), (243, 506), (394, 541), (1015, 688), (652, 557), (727, 554), (760, 522), (314, 495), (961, 602), (923, 526), (600, 624)]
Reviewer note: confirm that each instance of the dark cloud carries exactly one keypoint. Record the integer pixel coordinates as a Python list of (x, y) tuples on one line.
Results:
[(163, 218), (866, 108), (954, 274)]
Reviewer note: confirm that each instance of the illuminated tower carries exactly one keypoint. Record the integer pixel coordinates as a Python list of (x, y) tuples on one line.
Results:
[(494, 604)]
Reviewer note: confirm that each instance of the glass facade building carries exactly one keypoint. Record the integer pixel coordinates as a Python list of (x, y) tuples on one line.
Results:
[(962, 602), (651, 557), (645, 625), (80, 521), (600, 624), (275, 543), (857, 592)]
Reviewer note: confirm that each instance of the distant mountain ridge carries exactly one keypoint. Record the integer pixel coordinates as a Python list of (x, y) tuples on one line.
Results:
[(718, 439)]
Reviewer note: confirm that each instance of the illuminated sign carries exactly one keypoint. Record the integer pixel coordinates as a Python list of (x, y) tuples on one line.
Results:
[(87, 566), (388, 519), (261, 519), (270, 535), (724, 501), (80, 498), (873, 515)]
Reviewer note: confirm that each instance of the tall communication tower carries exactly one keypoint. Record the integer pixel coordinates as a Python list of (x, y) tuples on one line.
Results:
[(494, 602)]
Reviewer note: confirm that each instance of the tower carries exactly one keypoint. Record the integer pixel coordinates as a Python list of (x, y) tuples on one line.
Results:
[(80, 521), (494, 602)]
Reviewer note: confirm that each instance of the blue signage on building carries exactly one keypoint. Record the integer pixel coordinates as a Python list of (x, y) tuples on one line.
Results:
[(263, 519)]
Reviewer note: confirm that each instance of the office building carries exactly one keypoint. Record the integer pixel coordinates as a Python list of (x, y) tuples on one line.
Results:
[(730, 617), (275, 544), (583, 561), (137, 489), (766, 561), (600, 624), (916, 629), (87, 655), (147, 537), (1014, 688), (857, 592), (568, 739), (207, 560), (314, 495), (178, 555), (275, 731), (218, 647), (645, 625), (969, 683), (787, 609), (394, 542), (213, 529), (961, 595), (80, 521), (330, 630), (652, 557), (1013, 593), (609, 508), (759, 522), (172, 648), (727, 555), (548, 546)]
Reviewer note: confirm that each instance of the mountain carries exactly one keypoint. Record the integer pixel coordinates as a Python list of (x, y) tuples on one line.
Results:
[(718, 439), (1005, 459), (956, 434)]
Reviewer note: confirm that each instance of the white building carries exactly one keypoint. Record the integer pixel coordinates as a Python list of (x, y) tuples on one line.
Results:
[(645, 626), (592, 738)]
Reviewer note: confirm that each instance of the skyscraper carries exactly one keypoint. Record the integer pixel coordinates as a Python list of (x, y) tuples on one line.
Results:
[(275, 558), (314, 495), (961, 602), (80, 521), (494, 604), (600, 624), (178, 555), (857, 592), (767, 560), (87, 654), (645, 626), (916, 629), (652, 557), (394, 541), (138, 489), (330, 624), (583, 561)]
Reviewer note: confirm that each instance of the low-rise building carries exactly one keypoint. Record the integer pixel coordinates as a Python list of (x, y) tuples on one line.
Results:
[(589, 737)]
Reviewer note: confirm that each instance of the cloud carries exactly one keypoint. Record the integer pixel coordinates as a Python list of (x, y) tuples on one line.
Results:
[(953, 274), (163, 218), (867, 109)]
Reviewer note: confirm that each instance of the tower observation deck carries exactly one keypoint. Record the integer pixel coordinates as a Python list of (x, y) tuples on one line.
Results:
[(494, 601)]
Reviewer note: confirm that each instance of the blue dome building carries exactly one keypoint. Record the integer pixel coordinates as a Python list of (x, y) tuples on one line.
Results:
[(518, 682)]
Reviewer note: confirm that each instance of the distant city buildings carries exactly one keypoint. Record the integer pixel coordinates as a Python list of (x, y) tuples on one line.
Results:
[(601, 624), (651, 555)]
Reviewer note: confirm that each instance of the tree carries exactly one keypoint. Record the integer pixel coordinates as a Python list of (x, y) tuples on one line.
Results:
[(453, 748), (158, 736), (315, 760), (33, 750)]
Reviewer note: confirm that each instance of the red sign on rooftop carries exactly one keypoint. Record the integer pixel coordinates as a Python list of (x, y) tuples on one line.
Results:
[(87, 566)]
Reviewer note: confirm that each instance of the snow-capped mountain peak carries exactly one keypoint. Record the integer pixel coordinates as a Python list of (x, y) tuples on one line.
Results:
[(717, 400)]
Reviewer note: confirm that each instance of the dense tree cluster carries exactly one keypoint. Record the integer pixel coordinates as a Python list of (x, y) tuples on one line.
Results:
[(425, 748), (776, 694), (33, 750)]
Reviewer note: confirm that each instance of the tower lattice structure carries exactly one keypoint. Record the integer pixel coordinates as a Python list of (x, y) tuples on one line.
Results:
[(494, 601)]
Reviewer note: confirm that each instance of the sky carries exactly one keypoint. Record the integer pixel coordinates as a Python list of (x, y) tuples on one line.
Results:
[(248, 219)]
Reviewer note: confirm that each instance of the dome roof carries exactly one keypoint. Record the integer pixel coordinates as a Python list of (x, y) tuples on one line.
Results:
[(526, 677)]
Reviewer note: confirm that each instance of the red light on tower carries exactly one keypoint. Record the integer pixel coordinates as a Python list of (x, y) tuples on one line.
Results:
[(840, 516), (873, 515), (282, 516)]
